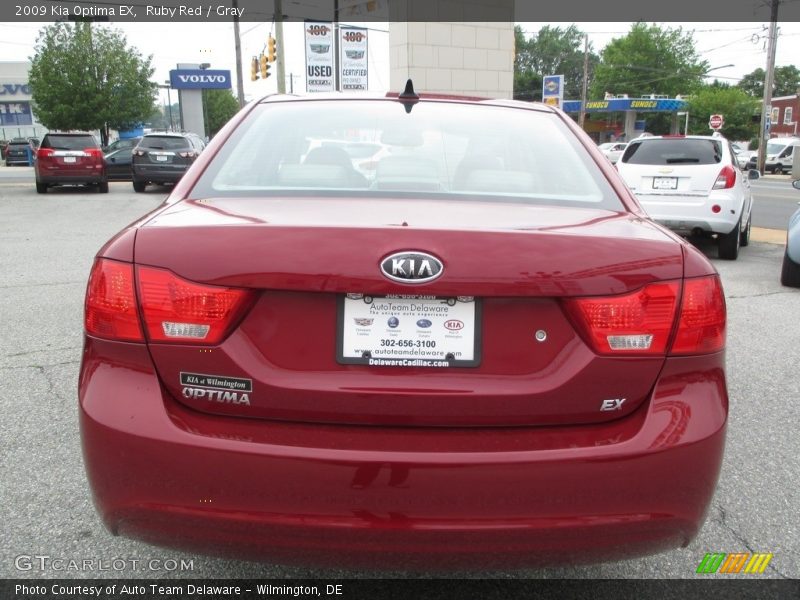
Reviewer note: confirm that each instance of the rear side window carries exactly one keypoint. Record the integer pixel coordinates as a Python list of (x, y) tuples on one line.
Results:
[(164, 142), (69, 142), (673, 152)]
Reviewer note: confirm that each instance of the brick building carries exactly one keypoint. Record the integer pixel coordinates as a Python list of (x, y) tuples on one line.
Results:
[(784, 117)]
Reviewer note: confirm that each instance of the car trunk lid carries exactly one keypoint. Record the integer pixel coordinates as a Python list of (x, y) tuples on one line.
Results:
[(508, 267)]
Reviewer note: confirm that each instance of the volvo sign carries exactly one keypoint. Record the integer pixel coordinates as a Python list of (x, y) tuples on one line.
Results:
[(198, 79)]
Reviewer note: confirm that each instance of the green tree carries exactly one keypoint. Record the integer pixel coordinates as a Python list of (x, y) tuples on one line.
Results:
[(786, 82), (649, 60), (85, 77), (220, 106), (551, 51), (736, 107)]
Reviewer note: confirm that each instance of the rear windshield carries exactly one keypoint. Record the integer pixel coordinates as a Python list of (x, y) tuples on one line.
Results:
[(19, 143), (673, 152), (69, 142), (376, 148), (164, 142)]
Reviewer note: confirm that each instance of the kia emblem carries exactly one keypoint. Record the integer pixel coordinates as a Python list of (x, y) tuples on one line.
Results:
[(411, 267)]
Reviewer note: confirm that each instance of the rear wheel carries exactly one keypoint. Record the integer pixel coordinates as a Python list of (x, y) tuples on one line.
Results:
[(138, 186), (790, 273), (744, 239), (102, 187), (729, 243), (41, 188), (777, 169)]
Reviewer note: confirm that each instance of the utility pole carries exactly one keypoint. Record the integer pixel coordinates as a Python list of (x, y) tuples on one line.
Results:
[(238, 47), (582, 117), (768, 79), (279, 43)]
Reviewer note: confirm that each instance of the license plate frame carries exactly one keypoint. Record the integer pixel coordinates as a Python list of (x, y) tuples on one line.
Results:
[(416, 349), (161, 158), (665, 183), (70, 159)]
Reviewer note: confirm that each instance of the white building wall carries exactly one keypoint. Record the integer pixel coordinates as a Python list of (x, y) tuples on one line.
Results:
[(470, 58), (13, 73)]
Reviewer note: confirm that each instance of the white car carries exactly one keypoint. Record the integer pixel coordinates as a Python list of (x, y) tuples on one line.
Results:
[(692, 185), (613, 150)]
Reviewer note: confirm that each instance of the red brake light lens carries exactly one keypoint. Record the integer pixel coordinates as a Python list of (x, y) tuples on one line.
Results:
[(701, 324), (44, 153), (638, 323), (641, 323), (190, 154), (726, 178), (110, 309), (180, 311)]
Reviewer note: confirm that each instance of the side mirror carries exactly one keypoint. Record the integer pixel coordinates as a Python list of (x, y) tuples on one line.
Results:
[(752, 174), (796, 184)]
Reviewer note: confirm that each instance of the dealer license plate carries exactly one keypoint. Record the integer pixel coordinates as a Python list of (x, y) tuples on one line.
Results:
[(665, 183), (408, 331)]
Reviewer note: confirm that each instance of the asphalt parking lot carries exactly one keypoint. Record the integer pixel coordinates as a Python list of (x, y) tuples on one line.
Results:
[(47, 243)]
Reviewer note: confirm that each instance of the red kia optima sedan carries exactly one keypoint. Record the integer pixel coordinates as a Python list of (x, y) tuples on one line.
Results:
[(471, 348)]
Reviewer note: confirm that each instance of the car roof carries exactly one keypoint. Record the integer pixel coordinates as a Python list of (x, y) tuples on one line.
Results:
[(680, 137), (393, 97)]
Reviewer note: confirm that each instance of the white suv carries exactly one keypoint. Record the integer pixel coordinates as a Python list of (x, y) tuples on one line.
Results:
[(692, 185)]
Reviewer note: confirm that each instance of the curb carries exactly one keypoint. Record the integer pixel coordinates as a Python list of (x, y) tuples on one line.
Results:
[(770, 236)]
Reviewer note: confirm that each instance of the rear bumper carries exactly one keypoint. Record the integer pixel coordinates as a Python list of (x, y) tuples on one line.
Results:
[(685, 214), (399, 497), (82, 179), (160, 174)]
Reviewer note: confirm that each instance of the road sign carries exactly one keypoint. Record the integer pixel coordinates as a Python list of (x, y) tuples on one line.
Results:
[(716, 121)]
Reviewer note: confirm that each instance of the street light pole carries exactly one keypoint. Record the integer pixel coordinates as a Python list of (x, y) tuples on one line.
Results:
[(169, 99)]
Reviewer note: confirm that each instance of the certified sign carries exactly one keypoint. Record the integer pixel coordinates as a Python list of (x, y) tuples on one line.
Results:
[(353, 69), (408, 331)]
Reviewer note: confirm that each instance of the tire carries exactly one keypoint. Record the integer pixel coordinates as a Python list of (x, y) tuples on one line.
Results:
[(729, 243), (777, 169), (41, 188), (744, 238), (138, 186), (102, 187), (790, 273)]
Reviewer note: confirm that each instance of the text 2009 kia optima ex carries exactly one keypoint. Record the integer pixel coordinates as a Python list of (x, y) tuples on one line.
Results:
[(467, 349)]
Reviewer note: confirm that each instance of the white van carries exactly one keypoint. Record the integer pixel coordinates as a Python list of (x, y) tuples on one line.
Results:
[(780, 154)]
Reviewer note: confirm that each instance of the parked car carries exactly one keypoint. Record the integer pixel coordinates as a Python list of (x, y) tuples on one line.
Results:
[(122, 143), (70, 158), (743, 155), (613, 150), (484, 355), (163, 158), (118, 163), (692, 185), (19, 152), (790, 272)]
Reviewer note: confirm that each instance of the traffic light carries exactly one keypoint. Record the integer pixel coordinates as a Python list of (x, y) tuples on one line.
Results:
[(264, 66), (254, 69), (271, 49)]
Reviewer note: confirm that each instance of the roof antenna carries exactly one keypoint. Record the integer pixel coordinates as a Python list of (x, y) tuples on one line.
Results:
[(409, 97)]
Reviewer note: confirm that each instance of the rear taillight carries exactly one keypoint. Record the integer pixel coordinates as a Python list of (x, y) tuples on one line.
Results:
[(110, 310), (138, 152), (642, 323), (44, 153), (701, 324), (726, 178), (189, 154), (177, 310), (638, 323)]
